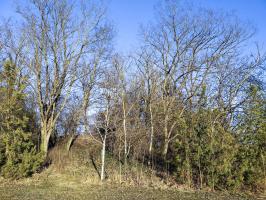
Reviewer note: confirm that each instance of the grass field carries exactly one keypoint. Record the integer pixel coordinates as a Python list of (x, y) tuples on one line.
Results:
[(55, 191), (70, 179), (104, 192)]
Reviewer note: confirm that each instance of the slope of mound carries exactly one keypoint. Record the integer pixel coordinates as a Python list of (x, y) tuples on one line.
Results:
[(83, 162)]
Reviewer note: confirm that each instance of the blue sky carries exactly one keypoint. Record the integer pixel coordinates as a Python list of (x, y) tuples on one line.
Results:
[(127, 15)]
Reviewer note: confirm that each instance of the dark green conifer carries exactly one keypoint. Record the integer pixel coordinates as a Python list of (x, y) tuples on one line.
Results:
[(18, 157)]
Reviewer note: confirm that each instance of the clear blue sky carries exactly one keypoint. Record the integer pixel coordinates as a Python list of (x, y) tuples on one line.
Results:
[(127, 15)]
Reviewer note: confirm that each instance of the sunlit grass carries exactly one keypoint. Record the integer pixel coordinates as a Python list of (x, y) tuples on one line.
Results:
[(72, 189)]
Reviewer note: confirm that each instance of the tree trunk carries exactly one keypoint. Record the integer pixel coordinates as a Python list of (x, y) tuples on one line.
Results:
[(125, 131), (151, 135), (103, 159), (71, 141), (44, 142), (45, 137), (165, 148), (152, 131), (166, 139)]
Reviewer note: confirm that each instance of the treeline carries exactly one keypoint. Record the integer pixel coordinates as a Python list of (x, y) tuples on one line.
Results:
[(189, 101)]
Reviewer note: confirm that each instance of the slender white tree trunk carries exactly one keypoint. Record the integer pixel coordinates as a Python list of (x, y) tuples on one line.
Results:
[(152, 131), (103, 158), (124, 129)]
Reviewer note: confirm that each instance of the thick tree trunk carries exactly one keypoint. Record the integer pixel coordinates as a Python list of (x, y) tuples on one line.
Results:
[(44, 144), (45, 137), (165, 148)]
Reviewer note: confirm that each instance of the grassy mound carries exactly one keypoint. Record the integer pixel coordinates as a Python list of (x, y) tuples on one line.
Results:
[(83, 162)]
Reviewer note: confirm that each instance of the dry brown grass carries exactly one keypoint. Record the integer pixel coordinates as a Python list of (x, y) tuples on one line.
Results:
[(83, 162), (50, 185)]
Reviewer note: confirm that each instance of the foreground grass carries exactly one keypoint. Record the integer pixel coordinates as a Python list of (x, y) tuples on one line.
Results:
[(71, 179), (54, 190)]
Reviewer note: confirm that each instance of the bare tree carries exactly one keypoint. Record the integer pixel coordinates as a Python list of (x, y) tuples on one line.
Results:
[(186, 47), (150, 79), (105, 123), (58, 39), (120, 65)]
